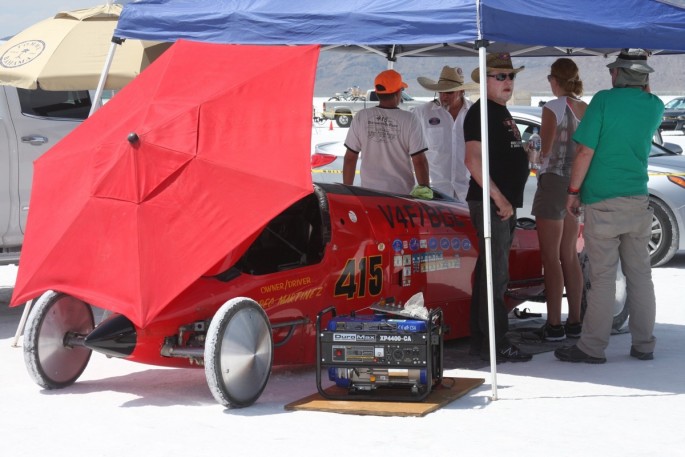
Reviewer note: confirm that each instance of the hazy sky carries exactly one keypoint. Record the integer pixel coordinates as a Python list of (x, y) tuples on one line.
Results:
[(16, 15)]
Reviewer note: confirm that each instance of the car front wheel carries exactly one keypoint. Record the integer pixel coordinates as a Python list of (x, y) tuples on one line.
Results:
[(663, 241), (238, 353)]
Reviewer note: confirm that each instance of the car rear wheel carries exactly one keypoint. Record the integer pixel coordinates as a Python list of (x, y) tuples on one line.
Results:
[(664, 239), (55, 318), (343, 120)]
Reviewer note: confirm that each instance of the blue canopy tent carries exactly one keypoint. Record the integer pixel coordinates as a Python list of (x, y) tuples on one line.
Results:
[(522, 27), (396, 28)]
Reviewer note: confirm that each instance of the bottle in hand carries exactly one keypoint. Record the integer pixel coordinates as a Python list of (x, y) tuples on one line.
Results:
[(534, 148)]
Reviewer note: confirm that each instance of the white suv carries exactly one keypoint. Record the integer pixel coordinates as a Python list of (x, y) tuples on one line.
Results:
[(31, 122)]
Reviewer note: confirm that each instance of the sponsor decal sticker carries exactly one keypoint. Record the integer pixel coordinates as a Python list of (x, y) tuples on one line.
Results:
[(444, 244), (456, 244), (397, 245), (414, 244)]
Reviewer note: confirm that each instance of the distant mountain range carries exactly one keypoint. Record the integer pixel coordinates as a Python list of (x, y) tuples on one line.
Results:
[(338, 71)]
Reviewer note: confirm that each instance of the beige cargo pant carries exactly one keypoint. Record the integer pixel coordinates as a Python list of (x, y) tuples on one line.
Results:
[(618, 228)]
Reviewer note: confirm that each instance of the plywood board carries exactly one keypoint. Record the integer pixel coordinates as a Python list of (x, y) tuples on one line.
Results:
[(449, 390)]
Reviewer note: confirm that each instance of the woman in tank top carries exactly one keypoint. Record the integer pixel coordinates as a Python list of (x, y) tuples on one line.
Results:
[(557, 230)]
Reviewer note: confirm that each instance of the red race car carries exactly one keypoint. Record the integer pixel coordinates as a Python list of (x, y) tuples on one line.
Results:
[(339, 246), (202, 235)]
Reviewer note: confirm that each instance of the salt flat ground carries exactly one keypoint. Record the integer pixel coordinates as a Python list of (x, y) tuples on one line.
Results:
[(545, 407), (623, 408)]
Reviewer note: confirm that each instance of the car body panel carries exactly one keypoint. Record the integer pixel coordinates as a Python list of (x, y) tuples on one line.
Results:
[(31, 122), (674, 115), (327, 163), (367, 247)]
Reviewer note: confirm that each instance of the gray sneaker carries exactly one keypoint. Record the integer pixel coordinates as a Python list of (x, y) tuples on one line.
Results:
[(507, 353), (641, 355), (575, 354)]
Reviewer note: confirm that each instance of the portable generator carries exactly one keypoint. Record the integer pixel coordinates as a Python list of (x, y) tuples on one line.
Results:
[(380, 356)]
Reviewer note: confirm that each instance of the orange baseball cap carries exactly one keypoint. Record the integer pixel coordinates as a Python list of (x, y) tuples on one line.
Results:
[(389, 82)]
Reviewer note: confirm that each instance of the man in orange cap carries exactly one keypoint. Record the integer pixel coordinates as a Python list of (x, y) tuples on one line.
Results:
[(390, 140)]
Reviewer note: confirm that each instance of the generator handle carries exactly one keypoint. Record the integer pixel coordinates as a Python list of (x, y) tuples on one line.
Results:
[(330, 309), (323, 312)]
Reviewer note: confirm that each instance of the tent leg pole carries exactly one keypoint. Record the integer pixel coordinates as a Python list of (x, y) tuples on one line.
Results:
[(97, 99), (487, 226), (22, 323)]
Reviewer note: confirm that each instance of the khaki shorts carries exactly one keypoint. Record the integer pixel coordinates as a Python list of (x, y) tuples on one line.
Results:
[(550, 197)]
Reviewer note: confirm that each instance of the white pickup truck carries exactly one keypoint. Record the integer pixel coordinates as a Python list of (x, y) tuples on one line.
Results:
[(342, 110), (31, 121)]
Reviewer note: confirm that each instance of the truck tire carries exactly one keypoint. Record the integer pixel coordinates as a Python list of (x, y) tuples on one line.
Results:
[(343, 120)]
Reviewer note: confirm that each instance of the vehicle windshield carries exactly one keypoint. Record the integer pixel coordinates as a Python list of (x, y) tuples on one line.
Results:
[(658, 151), (676, 103)]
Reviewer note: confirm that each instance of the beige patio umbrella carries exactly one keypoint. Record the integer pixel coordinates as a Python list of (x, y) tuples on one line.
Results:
[(69, 51)]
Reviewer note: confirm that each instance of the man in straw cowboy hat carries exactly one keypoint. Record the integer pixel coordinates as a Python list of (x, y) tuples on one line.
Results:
[(442, 120), (509, 171), (390, 140), (609, 177)]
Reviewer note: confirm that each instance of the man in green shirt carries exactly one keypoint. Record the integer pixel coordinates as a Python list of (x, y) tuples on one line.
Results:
[(609, 177)]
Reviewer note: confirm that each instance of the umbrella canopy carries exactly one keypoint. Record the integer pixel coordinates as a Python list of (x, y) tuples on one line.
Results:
[(69, 50), (173, 177)]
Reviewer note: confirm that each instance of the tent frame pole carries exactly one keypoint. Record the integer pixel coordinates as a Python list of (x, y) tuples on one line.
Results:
[(97, 99), (22, 323), (487, 226)]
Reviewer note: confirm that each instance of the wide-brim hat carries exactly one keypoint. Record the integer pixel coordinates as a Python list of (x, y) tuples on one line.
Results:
[(632, 59), (451, 79), (497, 61)]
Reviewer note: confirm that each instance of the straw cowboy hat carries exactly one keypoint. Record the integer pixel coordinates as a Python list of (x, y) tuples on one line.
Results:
[(451, 79), (632, 59), (497, 61)]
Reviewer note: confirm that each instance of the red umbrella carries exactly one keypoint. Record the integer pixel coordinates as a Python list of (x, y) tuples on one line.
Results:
[(171, 179)]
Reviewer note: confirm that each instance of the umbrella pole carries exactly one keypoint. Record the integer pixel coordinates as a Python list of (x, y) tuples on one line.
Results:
[(487, 227), (22, 322), (103, 76)]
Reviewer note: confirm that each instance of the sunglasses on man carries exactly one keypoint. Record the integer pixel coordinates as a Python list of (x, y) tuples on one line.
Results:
[(503, 76)]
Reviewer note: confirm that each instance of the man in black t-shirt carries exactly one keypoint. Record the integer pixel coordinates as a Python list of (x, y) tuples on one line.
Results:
[(508, 165)]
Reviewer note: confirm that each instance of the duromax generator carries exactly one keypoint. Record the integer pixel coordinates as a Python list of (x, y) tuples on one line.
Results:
[(380, 356)]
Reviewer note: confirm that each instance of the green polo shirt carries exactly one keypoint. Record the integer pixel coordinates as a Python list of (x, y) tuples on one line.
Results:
[(618, 125)]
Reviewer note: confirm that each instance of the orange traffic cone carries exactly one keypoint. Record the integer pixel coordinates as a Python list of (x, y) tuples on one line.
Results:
[(330, 127)]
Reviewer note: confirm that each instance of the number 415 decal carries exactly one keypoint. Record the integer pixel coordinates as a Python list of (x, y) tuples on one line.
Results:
[(370, 277)]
